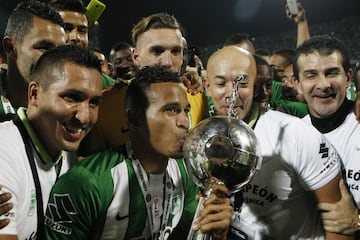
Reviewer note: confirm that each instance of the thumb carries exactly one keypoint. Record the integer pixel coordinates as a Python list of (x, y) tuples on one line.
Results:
[(343, 189)]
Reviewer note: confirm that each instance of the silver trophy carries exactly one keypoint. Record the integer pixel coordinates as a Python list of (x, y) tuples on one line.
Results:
[(221, 150)]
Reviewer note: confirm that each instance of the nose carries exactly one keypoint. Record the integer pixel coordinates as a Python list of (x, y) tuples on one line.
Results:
[(83, 113), (183, 120), (74, 37), (229, 91), (324, 82), (166, 59)]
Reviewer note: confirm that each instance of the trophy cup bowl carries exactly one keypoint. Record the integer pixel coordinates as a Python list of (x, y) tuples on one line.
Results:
[(221, 150)]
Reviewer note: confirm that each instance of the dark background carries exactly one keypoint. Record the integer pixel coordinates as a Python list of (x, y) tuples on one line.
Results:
[(207, 22)]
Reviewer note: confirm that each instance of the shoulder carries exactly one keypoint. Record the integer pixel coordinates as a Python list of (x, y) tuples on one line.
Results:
[(288, 127), (88, 176), (10, 137), (99, 163)]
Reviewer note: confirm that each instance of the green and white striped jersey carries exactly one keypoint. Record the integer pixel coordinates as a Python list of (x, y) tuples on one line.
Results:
[(101, 198)]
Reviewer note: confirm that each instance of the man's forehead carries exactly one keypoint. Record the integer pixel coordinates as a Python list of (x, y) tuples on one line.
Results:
[(229, 62), (316, 59), (70, 17), (162, 37)]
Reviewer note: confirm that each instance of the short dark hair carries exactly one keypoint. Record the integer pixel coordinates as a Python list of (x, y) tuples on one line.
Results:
[(154, 21), (324, 45), (57, 57), (20, 21), (136, 97), (119, 46), (286, 53), (260, 60), (69, 5), (262, 52)]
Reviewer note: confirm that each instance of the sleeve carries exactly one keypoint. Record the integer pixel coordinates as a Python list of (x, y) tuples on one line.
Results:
[(12, 179), (320, 162), (76, 204)]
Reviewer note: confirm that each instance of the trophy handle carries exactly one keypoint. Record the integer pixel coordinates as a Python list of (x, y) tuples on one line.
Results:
[(197, 235)]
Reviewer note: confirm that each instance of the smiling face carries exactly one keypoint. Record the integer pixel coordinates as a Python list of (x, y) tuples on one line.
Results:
[(163, 46), (323, 82), (167, 118), (223, 67), (64, 112), (263, 85), (76, 27)]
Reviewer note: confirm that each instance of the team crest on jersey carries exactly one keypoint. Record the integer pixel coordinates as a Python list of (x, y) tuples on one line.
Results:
[(60, 212), (176, 201), (32, 203)]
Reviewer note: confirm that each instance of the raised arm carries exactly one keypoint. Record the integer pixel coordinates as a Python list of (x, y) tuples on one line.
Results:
[(300, 19)]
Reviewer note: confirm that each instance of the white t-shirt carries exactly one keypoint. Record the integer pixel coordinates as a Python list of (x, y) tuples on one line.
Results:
[(278, 203), (346, 140), (16, 178)]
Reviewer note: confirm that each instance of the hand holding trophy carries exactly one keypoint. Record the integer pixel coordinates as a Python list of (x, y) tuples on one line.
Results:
[(221, 150)]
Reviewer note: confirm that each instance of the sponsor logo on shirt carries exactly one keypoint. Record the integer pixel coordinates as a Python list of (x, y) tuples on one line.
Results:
[(332, 158), (59, 213)]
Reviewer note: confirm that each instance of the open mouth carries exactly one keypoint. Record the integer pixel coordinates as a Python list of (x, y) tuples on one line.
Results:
[(73, 132), (332, 95)]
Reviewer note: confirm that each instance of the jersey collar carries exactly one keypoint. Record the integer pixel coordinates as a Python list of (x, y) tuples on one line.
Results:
[(254, 115), (44, 155), (325, 125)]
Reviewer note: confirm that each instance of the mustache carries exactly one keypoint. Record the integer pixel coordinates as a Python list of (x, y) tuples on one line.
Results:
[(324, 94)]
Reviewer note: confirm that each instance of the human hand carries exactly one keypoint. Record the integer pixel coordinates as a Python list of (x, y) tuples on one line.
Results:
[(5, 207), (192, 80), (342, 216), (215, 216), (300, 17)]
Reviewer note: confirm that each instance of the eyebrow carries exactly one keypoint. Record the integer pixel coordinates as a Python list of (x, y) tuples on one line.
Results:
[(333, 69)]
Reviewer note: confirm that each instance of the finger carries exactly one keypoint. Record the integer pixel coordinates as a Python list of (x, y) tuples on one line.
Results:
[(5, 208), (185, 81), (4, 197), (326, 206), (215, 212), (328, 216), (215, 220), (4, 223), (343, 189)]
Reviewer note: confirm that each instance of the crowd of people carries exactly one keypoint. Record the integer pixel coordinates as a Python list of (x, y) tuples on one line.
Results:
[(91, 144)]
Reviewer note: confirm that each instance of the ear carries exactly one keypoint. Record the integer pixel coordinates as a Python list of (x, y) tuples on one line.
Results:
[(9, 45), (349, 77), (135, 57), (206, 86), (33, 93)]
